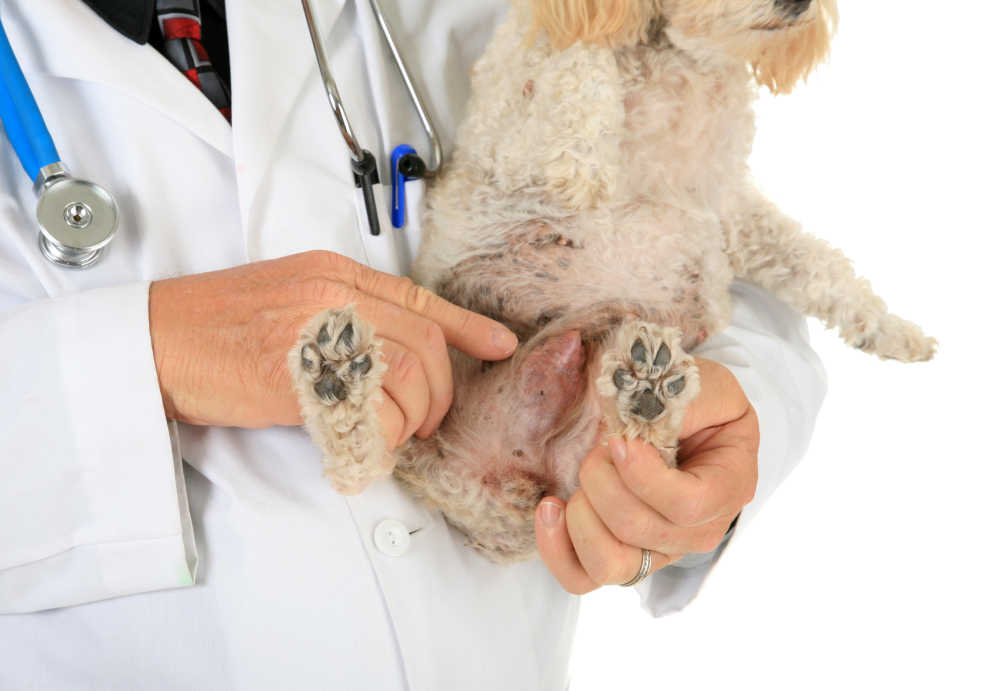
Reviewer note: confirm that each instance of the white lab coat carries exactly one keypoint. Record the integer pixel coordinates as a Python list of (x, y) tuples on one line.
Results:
[(240, 568)]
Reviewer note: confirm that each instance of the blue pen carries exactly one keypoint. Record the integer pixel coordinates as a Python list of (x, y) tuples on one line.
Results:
[(406, 165)]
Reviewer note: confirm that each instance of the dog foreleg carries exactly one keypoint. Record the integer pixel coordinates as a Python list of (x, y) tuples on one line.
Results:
[(770, 249)]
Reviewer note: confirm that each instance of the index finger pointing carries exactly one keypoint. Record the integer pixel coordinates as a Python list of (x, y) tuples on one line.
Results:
[(471, 333)]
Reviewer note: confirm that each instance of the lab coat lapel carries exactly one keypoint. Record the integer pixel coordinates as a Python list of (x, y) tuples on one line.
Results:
[(91, 51), (288, 150)]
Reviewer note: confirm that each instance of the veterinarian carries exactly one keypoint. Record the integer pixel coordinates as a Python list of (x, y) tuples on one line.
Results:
[(124, 566)]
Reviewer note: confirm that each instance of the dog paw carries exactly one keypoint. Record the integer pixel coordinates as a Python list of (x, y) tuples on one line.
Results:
[(337, 357), (337, 372), (651, 380), (895, 338)]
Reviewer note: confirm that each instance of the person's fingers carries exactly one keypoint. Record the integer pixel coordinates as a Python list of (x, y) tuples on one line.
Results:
[(604, 558), (392, 421), (471, 333), (632, 521), (556, 549), (720, 400), (405, 382), (425, 340), (716, 478)]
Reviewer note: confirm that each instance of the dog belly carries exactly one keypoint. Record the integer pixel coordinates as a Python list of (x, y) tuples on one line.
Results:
[(660, 263), (518, 430)]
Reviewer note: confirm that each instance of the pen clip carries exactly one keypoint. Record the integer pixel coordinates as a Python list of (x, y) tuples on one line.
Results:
[(406, 165)]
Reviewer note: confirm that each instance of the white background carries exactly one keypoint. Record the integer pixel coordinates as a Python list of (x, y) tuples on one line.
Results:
[(875, 564)]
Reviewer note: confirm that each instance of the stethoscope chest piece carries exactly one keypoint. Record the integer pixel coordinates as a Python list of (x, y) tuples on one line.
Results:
[(76, 220)]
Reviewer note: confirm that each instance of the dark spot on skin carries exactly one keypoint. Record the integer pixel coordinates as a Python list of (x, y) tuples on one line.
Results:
[(662, 356), (676, 386), (330, 387), (546, 276), (639, 352), (323, 337), (619, 378), (499, 389), (362, 366), (486, 366), (518, 453), (647, 405), (541, 393), (346, 338)]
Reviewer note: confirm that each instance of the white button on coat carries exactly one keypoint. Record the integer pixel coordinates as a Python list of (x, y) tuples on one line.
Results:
[(392, 538)]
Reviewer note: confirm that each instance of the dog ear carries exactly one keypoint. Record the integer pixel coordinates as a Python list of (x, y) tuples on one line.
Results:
[(781, 65), (607, 22)]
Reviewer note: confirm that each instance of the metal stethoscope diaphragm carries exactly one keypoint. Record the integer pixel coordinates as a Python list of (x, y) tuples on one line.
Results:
[(76, 218)]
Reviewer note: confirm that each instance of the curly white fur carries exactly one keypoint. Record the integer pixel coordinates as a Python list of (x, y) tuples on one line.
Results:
[(599, 203)]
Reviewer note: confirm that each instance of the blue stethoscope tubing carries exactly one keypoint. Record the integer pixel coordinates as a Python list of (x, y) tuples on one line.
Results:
[(20, 115), (76, 218)]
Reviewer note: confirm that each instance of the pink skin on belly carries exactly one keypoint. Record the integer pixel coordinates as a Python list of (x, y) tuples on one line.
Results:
[(550, 383), (550, 423)]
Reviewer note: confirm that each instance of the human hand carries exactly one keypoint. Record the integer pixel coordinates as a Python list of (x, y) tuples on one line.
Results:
[(630, 499), (221, 341)]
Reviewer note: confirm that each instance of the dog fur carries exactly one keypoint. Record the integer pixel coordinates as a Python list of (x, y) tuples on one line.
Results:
[(599, 203)]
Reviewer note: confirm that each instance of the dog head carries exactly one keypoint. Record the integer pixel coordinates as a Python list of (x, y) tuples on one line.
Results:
[(781, 40)]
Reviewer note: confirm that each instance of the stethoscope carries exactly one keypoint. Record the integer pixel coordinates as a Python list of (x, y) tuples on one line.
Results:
[(77, 219), (406, 164)]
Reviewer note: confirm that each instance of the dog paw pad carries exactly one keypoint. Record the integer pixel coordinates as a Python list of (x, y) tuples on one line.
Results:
[(337, 357), (650, 378)]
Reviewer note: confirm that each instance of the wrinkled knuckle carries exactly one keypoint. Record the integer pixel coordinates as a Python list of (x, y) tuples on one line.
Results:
[(631, 530), (330, 261), (435, 340), (416, 298), (689, 511), (324, 291), (406, 366), (604, 570)]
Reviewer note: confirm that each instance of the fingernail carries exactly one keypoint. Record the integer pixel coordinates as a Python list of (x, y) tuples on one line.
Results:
[(550, 513), (504, 339), (618, 450)]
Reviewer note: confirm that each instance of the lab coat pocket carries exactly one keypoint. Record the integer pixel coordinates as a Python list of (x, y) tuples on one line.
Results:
[(393, 249), (412, 231)]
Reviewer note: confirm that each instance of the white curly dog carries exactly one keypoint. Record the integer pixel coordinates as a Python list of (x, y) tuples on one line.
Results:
[(598, 203)]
